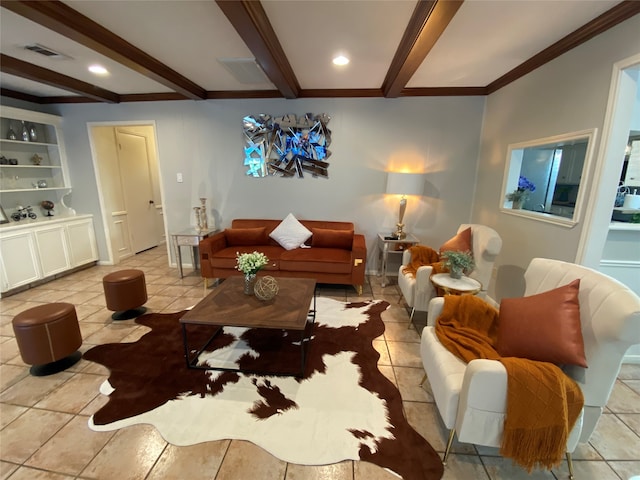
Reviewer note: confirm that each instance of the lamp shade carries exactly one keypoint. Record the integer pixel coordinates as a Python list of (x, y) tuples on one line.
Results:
[(405, 183)]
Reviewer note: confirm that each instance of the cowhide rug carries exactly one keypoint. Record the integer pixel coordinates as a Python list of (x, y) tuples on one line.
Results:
[(342, 408)]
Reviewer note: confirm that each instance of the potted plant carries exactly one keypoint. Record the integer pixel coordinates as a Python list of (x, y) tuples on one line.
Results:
[(458, 262), (520, 194), (250, 264)]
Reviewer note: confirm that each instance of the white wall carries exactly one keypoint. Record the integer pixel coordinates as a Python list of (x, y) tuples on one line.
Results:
[(568, 94), (203, 141)]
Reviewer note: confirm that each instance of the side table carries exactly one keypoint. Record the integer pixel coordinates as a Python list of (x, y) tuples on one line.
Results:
[(189, 238), (456, 286), (387, 245)]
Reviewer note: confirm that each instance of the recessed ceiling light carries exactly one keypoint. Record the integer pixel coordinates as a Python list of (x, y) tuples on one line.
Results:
[(98, 70), (340, 60)]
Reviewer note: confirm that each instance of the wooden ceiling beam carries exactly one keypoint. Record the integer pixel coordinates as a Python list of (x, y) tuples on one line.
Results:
[(429, 19), (612, 17), (250, 21), (27, 97), (62, 19), (19, 68)]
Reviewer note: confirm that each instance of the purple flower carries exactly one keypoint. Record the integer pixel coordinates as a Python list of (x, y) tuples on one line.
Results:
[(524, 184)]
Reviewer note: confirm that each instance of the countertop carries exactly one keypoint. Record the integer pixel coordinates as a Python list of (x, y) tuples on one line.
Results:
[(624, 226), (40, 222)]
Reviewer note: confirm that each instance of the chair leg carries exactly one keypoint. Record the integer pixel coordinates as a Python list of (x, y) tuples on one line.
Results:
[(570, 465), (424, 379), (452, 432), (413, 310)]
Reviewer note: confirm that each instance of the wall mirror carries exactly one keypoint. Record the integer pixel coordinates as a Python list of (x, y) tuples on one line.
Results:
[(545, 179)]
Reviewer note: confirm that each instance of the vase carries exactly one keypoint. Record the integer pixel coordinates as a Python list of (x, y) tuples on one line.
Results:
[(516, 205), (204, 221), (196, 212), (249, 283), (25, 133), (33, 135), (455, 272)]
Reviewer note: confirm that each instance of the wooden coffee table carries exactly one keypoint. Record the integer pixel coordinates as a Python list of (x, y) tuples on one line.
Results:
[(228, 306)]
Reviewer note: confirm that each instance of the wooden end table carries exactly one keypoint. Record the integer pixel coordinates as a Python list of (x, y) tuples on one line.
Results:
[(228, 306), (456, 286)]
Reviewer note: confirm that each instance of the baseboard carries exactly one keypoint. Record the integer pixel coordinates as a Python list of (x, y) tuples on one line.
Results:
[(631, 359)]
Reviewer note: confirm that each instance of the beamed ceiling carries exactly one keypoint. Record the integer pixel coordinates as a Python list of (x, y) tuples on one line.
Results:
[(177, 50)]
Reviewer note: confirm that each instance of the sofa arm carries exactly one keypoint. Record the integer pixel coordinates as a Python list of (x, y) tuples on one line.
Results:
[(483, 403), (435, 309), (207, 248)]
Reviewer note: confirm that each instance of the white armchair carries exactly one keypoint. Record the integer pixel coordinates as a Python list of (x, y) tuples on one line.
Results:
[(471, 398), (418, 291)]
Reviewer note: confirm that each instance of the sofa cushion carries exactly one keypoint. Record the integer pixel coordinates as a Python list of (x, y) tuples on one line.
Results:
[(226, 258), (246, 236), (329, 238), (460, 242), (290, 233), (321, 260), (544, 327)]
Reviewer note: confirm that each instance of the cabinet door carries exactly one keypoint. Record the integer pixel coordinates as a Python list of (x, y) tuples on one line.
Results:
[(19, 260), (82, 242), (578, 155), (52, 249)]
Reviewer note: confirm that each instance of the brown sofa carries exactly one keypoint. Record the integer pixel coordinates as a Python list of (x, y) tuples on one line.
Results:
[(336, 255)]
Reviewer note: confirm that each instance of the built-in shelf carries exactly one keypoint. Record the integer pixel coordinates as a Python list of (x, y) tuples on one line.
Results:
[(35, 189), (30, 166), (22, 142)]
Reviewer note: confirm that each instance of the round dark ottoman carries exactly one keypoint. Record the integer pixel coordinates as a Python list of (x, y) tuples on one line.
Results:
[(48, 337), (125, 292)]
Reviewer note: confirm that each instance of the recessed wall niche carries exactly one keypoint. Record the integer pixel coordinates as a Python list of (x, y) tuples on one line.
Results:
[(287, 146)]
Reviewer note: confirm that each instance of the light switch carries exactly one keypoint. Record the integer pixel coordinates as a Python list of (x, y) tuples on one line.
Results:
[(179, 177)]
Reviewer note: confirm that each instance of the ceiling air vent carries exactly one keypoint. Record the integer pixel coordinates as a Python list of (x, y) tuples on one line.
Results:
[(46, 51), (244, 70)]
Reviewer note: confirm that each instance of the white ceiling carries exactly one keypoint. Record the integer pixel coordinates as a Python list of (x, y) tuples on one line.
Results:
[(485, 40)]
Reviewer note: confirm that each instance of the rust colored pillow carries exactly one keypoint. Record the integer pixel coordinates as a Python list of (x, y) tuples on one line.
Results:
[(460, 243), (328, 238), (544, 327), (243, 237)]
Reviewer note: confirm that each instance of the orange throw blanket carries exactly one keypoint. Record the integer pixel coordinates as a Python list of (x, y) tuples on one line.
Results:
[(422, 255), (542, 402)]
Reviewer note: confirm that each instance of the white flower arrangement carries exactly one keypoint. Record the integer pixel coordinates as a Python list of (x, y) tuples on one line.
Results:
[(250, 263)]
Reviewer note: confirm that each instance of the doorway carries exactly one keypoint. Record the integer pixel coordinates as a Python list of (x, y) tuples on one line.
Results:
[(128, 179)]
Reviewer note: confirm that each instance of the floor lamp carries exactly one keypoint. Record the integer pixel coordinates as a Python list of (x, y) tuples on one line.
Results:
[(404, 184)]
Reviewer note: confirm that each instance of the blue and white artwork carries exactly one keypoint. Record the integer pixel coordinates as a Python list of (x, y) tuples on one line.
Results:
[(287, 146)]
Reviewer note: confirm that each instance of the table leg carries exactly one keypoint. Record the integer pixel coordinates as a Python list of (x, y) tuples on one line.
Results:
[(178, 258), (193, 258), (385, 254)]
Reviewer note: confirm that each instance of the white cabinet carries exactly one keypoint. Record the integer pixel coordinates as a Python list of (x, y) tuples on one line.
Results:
[(572, 164), (82, 242), (52, 249), (632, 177), (33, 165), (45, 248), (19, 260)]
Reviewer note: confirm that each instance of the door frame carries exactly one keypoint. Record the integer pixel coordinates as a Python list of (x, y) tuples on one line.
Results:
[(609, 161), (94, 159)]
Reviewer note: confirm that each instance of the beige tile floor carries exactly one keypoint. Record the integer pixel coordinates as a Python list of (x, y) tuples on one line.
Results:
[(43, 421)]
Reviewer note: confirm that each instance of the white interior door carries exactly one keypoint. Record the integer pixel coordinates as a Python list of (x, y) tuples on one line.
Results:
[(133, 157)]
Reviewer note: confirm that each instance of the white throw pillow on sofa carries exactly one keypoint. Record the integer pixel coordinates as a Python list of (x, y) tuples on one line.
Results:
[(290, 233)]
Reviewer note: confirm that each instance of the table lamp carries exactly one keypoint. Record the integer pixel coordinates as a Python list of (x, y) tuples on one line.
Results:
[(404, 184)]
